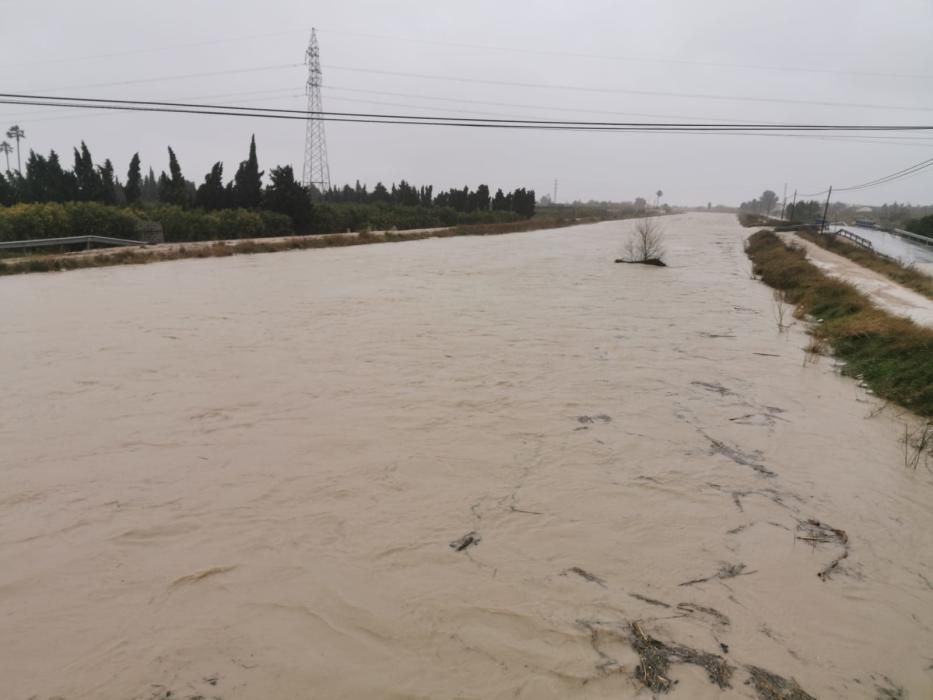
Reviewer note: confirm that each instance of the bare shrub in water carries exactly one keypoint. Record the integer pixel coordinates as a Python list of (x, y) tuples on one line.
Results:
[(780, 308), (918, 445), (646, 243)]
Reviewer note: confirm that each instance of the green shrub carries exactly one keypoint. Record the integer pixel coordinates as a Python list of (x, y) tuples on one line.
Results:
[(52, 220), (184, 225)]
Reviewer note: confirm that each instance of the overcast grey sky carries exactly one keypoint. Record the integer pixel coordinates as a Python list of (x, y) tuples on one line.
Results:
[(871, 53)]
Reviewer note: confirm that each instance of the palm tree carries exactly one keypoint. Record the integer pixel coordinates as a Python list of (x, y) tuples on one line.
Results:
[(14, 132), (6, 149), (658, 200)]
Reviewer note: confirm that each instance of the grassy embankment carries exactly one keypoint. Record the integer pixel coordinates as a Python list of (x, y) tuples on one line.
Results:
[(892, 269), (57, 262), (892, 355)]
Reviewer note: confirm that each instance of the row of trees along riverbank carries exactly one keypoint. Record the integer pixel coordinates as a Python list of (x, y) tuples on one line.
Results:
[(48, 200), (915, 218)]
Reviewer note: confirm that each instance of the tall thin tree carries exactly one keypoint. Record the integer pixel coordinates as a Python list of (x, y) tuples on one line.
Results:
[(15, 132), (133, 187), (6, 149)]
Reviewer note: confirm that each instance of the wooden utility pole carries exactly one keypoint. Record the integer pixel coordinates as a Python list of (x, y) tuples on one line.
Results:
[(826, 209), (784, 205)]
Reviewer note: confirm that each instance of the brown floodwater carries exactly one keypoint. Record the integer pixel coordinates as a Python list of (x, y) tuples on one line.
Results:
[(238, 478)]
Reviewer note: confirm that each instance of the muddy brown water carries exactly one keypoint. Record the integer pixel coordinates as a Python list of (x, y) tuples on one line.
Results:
[(239, 478)]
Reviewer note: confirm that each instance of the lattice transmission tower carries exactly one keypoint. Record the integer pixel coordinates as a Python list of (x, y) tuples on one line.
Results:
[(316, 171)]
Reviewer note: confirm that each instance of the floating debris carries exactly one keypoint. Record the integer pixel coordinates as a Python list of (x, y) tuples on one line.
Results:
[(771, 686), (816, 532), (201, 575), (470, 539), (715, 388), (650, 601), (737, 456), (726, 571), (602, 418), (719, 618), (584, 574), (656, 658)]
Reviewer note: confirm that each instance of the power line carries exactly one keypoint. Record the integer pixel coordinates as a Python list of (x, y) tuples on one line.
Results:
[(545, 86), (158, 49), (182, 76), (905, 172), (231, 110), (480, 47), (911, 141), (646, 93), (639, 59), (276, 94)]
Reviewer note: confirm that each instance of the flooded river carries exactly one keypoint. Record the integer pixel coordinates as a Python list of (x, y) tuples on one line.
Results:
[(239, 478)]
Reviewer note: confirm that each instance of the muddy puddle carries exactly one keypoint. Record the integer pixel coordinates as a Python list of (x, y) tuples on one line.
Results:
[(466, 468)]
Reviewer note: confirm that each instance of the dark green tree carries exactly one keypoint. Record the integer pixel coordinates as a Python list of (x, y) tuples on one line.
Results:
[(173, 188), (149, 192), (804, 212), (380, 193), (61, 183), (7, 192), (287, 196), (108, 184), (44, 181), (134, 183), (212, 194), (768, 201), (247, 183), (34, 185), (481, 199), (88, 179), (425, 196)]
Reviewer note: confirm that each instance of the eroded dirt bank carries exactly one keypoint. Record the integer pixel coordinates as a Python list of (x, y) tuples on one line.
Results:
[(240, 477)]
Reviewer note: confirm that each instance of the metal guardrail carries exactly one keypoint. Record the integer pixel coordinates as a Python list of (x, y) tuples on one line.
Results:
[(68, 240), (855, 238), (913, 237)]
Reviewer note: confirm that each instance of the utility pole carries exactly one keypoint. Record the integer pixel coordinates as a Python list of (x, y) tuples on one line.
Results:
[(826, 209), (316, 169), (794, 205), (784, 205)]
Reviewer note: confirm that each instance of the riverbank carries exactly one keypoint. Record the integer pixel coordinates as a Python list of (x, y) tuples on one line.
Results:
[(891, 354), (882, 291), (141, 255), (906, 275)]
